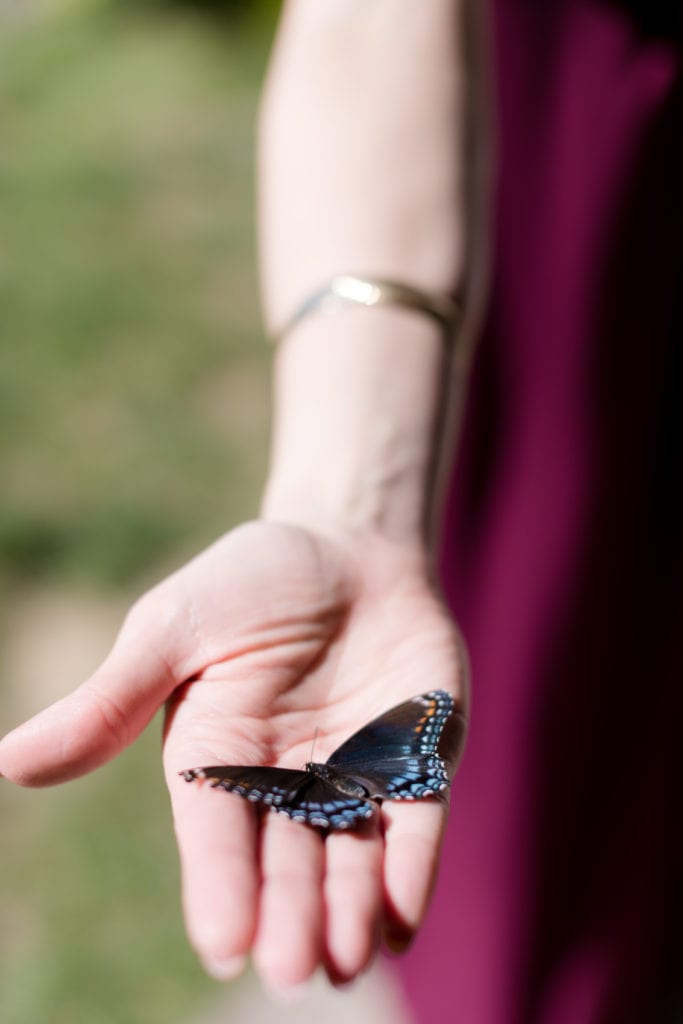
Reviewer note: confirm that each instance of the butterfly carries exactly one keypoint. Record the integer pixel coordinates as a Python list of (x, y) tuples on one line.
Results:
[(394, 757)]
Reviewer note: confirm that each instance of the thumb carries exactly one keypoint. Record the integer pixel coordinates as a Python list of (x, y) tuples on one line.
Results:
[(101, 717)]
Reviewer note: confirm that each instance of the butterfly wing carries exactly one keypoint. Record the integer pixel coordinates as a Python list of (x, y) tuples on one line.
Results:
[(301, 795), (271, 786), (396, 755)]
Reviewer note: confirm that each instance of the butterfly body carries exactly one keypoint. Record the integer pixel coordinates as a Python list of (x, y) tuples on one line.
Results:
[(394, 757), (340, 781)]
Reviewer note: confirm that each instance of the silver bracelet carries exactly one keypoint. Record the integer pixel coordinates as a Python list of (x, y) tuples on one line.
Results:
[(351, 290)]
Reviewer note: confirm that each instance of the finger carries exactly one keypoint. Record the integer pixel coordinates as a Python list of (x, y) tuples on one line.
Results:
[(413, 834), (218, 846), (97, 720), (288, 945), (353, 900), (104, 714)]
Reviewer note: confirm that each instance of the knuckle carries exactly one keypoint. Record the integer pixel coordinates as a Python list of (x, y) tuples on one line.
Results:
[(112, 717)]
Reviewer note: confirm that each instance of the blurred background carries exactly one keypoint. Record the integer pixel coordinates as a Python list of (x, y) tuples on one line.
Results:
[(133, 411)]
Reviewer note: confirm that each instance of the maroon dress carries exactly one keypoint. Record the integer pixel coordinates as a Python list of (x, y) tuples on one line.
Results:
[(560, 895)]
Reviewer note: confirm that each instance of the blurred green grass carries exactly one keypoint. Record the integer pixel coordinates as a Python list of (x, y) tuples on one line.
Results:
[(133, 425), (132, 393)]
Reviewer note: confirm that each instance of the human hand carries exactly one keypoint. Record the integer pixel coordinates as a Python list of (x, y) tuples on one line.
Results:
[(271, 634)]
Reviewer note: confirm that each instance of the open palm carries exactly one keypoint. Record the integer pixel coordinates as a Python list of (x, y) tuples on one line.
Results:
[(272, 636)]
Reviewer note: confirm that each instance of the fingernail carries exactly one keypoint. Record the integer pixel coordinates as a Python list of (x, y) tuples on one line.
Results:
[(397, 943), (287, 995), (342, 984), (224, 970)]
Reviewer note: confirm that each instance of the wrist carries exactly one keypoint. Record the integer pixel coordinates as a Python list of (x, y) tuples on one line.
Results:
[(364, 509), (355, 416)]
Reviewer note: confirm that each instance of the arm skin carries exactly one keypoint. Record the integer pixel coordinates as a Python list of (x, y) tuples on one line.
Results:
[(321, 614), (360, 172)]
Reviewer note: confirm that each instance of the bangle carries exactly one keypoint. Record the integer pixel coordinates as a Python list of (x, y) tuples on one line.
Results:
[(351, 290)]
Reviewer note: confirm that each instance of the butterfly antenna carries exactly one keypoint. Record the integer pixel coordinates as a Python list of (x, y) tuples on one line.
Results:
[(315, 737)]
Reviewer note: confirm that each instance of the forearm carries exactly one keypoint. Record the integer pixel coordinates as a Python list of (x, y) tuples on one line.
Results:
[(361, 171)]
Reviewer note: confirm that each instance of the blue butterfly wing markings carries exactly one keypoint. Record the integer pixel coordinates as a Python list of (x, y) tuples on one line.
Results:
[(395, 757), (274, 787), (305, 796), (325, 805)]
